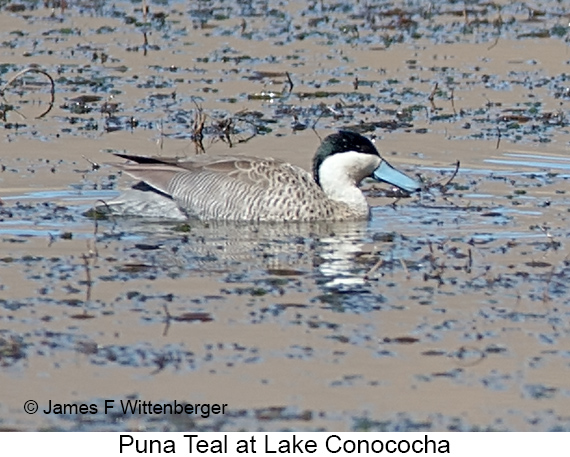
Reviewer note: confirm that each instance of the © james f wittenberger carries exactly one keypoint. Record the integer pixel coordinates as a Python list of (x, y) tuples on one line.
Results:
[(138, 407)]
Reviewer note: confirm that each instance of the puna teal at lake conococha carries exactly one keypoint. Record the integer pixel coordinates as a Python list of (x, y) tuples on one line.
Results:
[(240, 188)]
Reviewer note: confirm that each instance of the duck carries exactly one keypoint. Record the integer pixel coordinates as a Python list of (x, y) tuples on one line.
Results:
[(242, 188)]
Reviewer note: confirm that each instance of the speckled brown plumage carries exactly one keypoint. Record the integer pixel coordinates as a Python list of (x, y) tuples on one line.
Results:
[(242, 188)]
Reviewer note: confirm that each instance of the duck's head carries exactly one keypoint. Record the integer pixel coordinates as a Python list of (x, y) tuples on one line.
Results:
[(350, 156)]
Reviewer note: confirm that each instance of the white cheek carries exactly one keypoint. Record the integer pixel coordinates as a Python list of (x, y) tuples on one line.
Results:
[(348, 167), (340, 174)]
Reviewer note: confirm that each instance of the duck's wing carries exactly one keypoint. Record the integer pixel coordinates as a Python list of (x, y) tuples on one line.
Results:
[(159, 172)]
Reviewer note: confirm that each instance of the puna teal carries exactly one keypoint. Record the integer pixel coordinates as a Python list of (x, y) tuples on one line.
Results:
[(259, 189)]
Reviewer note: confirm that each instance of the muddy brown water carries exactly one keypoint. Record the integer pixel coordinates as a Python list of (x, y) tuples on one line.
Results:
[(447, 311)]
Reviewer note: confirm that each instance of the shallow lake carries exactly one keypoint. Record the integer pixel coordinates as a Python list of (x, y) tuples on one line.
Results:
[(445, 311)]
